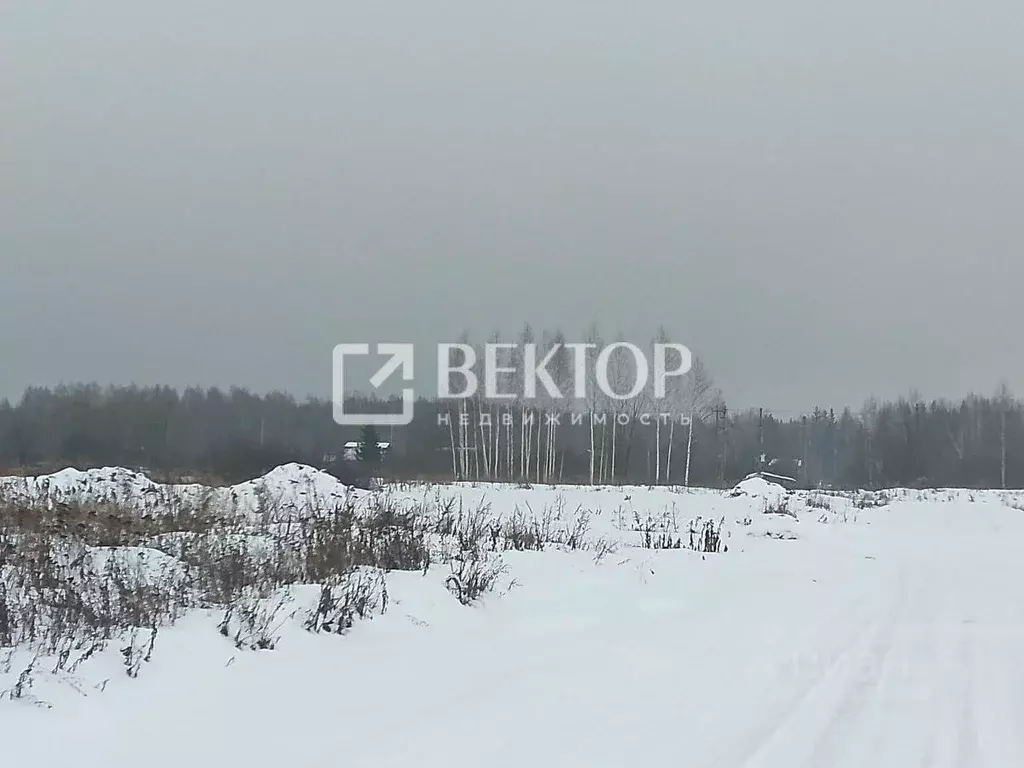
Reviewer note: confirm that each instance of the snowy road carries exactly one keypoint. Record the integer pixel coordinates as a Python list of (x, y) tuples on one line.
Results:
[(895, 644)]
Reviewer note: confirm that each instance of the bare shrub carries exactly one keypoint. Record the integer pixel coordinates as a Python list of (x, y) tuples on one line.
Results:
[(841, 515), (75, 579), (660, 532), (474, 575), (706, 535), (872, 500), (254, 621), (344, 598), (138, 651), (574, 531), (22, 687), (818, 501), (779, 507), (603, 547), (393, 539), (104, 523), (521, 533)]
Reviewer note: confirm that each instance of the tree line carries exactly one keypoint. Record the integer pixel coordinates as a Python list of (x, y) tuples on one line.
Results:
[(689, 437)]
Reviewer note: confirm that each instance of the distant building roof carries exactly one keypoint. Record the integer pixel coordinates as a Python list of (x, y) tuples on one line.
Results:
[(773, 477)]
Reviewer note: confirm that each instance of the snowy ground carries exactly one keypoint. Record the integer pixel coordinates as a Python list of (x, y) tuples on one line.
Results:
[(886, 636)]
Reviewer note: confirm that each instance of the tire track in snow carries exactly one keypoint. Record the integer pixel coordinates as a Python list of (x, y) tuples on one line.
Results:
[(766, 684), (831, 744), (812, 728), (967, 746)]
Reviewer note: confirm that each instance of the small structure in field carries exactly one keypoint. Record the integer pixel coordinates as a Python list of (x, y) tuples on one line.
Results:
[(350, 451), (785, 481)]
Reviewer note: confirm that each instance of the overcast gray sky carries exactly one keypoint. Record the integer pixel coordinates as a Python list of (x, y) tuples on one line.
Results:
[(823, 200)]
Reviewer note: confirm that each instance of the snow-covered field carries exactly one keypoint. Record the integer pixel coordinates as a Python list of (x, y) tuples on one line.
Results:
[(887, 633)]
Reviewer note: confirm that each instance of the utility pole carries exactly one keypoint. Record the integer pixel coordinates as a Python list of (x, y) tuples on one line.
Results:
[(803, 463), (721, 411), (689, 448), (760, 437), (835, 448), (1003, 448)]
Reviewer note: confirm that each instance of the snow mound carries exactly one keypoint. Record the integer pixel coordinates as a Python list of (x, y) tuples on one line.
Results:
[(289, 490), (756, 487)]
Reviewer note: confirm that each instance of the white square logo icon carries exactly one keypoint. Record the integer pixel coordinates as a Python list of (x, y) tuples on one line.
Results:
[(400, 358)]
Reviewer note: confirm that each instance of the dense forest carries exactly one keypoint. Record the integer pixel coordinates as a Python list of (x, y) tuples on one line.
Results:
[(233, 435)]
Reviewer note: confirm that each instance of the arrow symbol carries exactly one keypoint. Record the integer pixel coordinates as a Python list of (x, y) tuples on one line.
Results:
[(392, 365)]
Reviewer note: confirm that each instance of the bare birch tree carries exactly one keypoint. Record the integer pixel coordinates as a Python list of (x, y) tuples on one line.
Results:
[(698, 398)]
